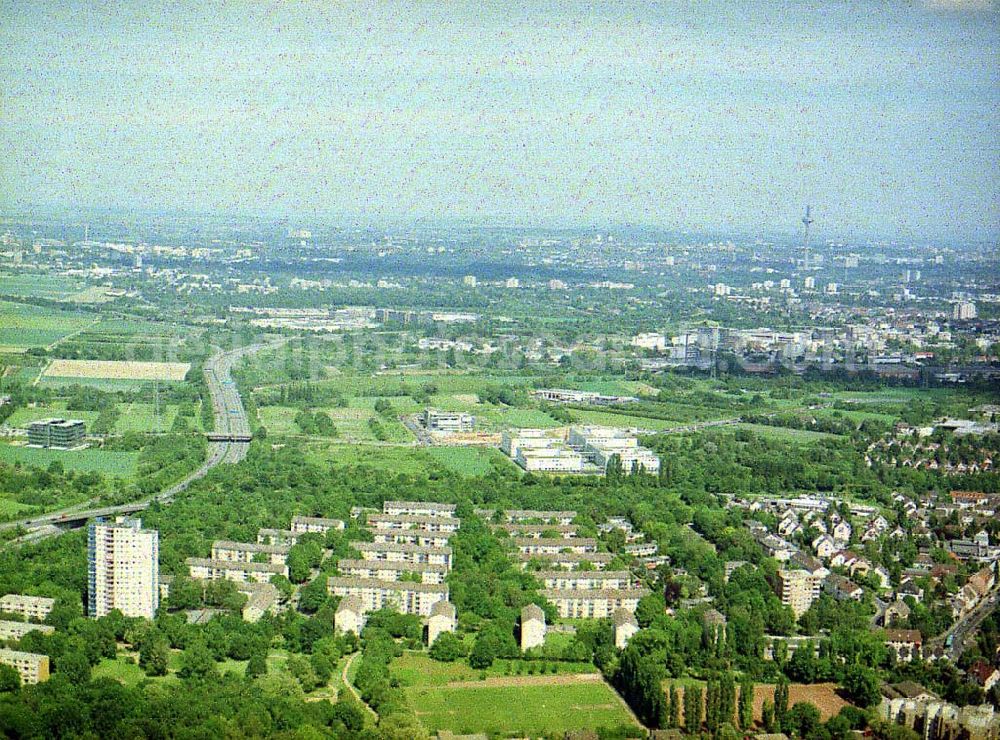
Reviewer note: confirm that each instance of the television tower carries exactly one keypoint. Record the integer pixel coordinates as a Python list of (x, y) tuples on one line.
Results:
[(806, 220)]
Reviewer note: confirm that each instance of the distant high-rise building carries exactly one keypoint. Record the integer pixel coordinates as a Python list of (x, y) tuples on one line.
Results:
[(512, 283), (123, 568), (555, 284), (470, 281), (810, 283), (965, 310)]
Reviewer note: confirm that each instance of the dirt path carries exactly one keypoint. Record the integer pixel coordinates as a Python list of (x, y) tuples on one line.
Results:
[(350, 686)]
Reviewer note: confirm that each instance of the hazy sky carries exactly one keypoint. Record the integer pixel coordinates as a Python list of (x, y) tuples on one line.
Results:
[(884, 115)]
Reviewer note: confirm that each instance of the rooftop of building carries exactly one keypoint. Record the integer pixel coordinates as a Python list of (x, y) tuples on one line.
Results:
[(250, 547), (348, 582), (236, 565)]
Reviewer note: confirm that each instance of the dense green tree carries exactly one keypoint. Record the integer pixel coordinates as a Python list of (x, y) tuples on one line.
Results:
[(447, 648), (10, 679), (154, 653), (197, 661)]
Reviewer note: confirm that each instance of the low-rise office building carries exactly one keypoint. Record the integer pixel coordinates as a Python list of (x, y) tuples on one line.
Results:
[(248, 552), (207, 569), (31, 667), (403, 596), (602, 444), (62, 434), (549, 459), (385, 570), (30, 607), (448, 421)]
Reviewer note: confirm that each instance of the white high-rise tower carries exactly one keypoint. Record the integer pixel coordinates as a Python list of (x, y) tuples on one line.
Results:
[(123, 568)]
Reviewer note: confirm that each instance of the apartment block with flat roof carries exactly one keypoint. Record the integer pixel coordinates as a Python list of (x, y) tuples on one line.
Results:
[(798, 589), (277, 537), (31, 667), (583, 580), (405, 597), (29, 607), (554, 546), (566, 560), (530, 516), (537, 530), (412, 537), (594, 604), (403, 553), (384, 570), (249, 552), (17, 630), (386, 522), (418, 508), (123, 568), (319, 525), (239, 571)]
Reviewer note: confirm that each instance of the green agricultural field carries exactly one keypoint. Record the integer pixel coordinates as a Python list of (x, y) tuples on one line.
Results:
[(120, 464), (25, 285), (10, 509), (141, 417), (855, 416), (530, 707), (471, 461), (278, 419), (409, 460), (104, 384), (803, 436), (419, 670), (608, 419), (400, 404), (352, 423), (522, 418), (23, 326), (24, 416)]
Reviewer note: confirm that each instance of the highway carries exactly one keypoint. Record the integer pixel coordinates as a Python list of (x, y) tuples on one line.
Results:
[(230, 420)]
